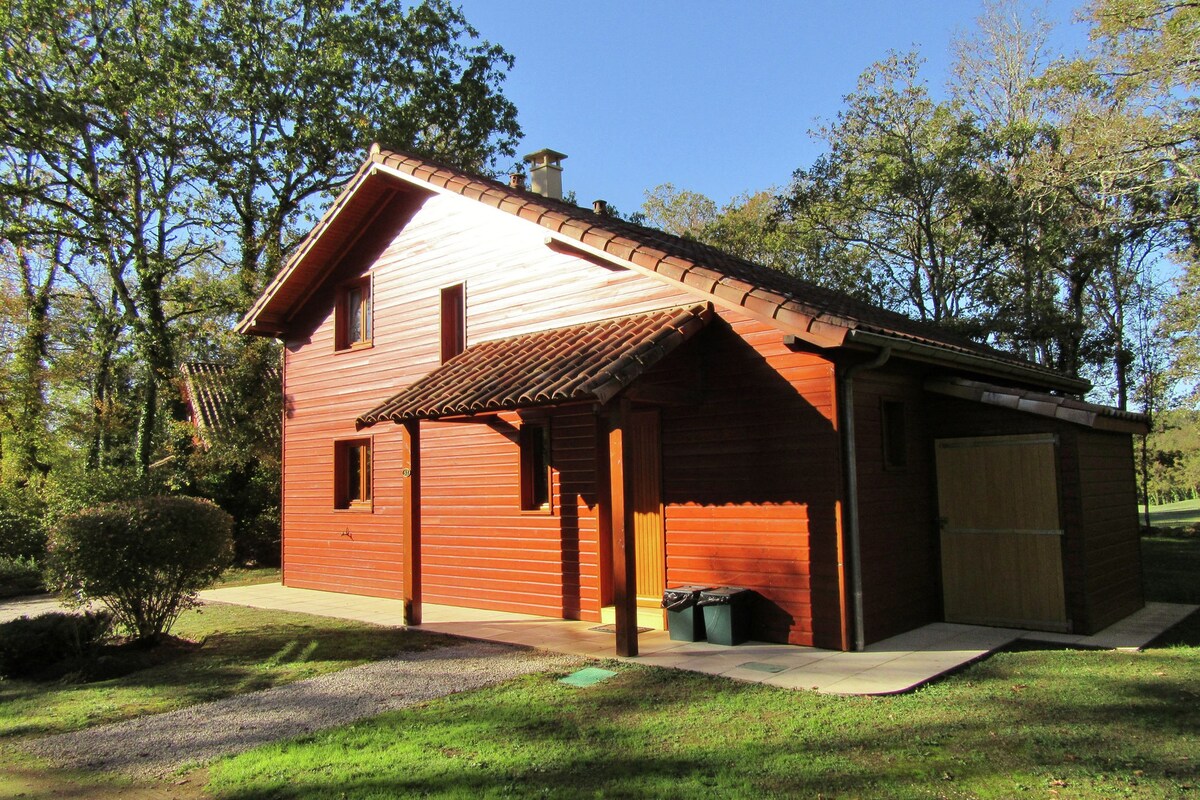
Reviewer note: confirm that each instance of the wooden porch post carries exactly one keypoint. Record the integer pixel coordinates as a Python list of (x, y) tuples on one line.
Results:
[(621, 516), (411, 521)]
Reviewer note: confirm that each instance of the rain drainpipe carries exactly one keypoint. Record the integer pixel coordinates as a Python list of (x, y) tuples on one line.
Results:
[(850, 467)]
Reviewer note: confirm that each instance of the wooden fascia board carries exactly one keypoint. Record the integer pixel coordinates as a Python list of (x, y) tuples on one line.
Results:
[(966, 360), (384, 201), (249, 322), (825, 335)]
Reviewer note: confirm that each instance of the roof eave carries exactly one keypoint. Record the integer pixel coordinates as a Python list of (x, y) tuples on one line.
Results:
[(944, 356)]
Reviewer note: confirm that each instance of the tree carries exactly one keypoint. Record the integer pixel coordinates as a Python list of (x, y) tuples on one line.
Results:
[(173, 145), (891, 193)]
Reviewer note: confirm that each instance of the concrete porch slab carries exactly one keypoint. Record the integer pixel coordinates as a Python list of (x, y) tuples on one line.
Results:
[(894, 665)]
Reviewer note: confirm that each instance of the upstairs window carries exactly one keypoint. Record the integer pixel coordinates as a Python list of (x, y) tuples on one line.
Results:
[(895, 435), (454, 321), (354, 315), (535, 466), (352, 478)]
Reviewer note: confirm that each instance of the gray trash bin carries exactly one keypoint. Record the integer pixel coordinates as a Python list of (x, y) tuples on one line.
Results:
[(726, 614), (685, 622)]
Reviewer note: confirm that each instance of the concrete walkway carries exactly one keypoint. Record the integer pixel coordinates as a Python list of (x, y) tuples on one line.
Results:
[(894, 665)]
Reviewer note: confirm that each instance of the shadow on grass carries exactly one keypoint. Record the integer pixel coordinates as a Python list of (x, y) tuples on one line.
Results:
[(1025, 718)]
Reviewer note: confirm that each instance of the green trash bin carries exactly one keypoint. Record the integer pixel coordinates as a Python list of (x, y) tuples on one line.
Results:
[(726, 614), (685, 622)]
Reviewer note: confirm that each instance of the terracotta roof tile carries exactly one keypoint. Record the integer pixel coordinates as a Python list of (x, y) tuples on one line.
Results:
[(673, 257), (1066, 409), (206, 384), (589, 362)]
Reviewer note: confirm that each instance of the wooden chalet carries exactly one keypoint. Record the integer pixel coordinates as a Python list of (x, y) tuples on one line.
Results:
[(496, 399)]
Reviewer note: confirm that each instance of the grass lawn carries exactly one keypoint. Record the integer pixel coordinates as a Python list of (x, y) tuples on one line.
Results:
[(247, 576), (244, 649), (1038, 724), (1185, 512)]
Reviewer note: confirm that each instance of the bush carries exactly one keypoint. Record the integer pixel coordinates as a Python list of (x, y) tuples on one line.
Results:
[(22, 534), (20, 576), (145, 559), (31, 646)]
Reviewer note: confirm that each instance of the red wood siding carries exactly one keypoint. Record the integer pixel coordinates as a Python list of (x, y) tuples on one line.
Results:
[(514, 284), (750, 480), (898, 538)]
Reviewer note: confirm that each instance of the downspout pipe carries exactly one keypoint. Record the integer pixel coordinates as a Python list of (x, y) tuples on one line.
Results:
[(850, 478)]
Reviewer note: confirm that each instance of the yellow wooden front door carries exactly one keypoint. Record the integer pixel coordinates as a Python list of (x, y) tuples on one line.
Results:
[(645, 464), (1001, 533)]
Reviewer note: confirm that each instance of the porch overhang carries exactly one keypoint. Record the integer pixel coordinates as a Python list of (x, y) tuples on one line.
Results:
[(591, 362), (1064, 409)]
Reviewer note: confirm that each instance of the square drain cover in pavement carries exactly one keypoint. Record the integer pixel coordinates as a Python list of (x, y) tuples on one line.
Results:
[(587, 676), (613, 629), (760, 666)]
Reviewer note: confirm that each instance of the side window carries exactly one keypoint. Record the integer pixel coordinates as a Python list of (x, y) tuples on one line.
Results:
[(895, 435), (454, 321), (353, 315), (352, 474), (535, 466)]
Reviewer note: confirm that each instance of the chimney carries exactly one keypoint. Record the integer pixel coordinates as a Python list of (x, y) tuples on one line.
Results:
[(545, 173), (600, 207), (516, 180)]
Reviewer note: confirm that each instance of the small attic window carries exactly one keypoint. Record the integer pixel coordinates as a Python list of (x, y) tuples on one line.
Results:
[(353, 315), (454, 321)]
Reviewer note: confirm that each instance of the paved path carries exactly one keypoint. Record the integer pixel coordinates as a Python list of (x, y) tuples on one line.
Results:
[(157, 745)]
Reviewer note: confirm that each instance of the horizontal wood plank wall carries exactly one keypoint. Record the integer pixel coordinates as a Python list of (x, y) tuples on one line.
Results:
[(1112, 552), (480, 549), (751, 479), (898, 537), (950, 417), (514, 284)]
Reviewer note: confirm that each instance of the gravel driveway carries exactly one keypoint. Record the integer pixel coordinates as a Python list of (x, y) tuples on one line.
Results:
[(158, 745)]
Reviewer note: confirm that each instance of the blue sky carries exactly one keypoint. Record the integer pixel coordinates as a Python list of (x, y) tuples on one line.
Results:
[(716, 97)]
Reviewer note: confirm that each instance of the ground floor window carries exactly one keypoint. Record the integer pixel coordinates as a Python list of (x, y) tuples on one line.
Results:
[(535, 466), (352, 479)]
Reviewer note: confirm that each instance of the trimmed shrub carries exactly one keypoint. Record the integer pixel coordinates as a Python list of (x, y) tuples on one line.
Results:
[(145, 559), (29, 646), (20, 576)]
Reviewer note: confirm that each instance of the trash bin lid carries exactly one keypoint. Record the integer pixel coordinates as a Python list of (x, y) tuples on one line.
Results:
[(687, 589), (724, 591)]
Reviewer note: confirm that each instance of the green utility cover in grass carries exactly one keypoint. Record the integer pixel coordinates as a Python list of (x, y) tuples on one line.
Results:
[(587, 676)]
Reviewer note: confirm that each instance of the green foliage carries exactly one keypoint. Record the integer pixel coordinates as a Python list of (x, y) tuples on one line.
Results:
[(145, 559), (20, 576), (1174, 456), (161, 157), (22, 534), (31, 646)]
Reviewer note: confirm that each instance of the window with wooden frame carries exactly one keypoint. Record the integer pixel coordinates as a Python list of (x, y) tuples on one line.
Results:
[(352, 474), (895, 435), (454, 321), (353, 315), (535, 466)]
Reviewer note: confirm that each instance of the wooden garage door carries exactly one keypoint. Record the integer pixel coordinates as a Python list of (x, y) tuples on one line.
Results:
[(1001, 533)]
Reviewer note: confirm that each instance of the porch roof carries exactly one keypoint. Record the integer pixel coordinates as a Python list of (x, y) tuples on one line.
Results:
[(1067, 409), (588, 362)]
